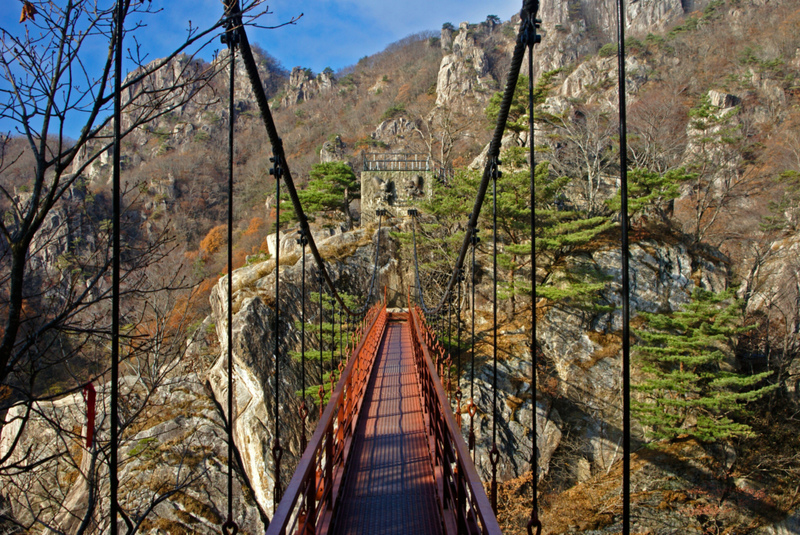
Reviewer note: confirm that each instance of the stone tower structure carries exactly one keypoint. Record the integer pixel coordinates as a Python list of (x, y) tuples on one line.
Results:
[(395, 182)]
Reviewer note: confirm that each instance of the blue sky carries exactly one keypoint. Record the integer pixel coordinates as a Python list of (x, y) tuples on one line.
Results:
[(331, 33), (338, 33)]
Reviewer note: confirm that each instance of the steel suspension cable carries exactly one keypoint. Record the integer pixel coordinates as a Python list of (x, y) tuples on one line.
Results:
[(277, 144), (230, 40), (530, 37), (529, 6), (280, 154), (626, 348)]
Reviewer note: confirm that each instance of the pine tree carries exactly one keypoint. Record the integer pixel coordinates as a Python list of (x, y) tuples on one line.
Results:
[(334, 341), (650, 193), (689, 386), (561, 231), (332, 186)]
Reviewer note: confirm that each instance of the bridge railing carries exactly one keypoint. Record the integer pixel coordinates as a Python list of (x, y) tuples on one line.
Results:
[(464, 505), (307, 505)]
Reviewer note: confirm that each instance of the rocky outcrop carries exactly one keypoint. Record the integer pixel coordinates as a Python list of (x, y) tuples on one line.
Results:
[(464, 73), (583, 348), (394, 132), (172, 459), (580, 377), (351, 258), (333, 151), (303, 85), (578, 27)]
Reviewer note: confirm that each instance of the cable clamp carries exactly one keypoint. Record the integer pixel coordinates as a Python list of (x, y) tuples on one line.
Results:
[(230, 527), (534, 522), (474, 239)]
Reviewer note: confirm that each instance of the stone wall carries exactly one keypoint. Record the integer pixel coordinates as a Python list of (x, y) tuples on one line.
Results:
[(396, 191)]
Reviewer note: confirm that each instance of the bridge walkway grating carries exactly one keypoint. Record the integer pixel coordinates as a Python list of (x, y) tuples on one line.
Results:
[(390, 487)]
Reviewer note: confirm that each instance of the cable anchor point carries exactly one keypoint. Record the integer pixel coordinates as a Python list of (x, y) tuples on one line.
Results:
[(230, 527)]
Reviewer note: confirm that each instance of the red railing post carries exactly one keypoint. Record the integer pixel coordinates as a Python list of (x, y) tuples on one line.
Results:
[(316, 483), (329, 465), (465, 506)]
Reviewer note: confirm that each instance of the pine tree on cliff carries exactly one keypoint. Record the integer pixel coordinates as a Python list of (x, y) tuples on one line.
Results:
[(689, 384), (332, 186), (561, 230)]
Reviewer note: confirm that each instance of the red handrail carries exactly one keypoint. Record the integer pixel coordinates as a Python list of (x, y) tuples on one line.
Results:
[(463, 502), (307, 504)]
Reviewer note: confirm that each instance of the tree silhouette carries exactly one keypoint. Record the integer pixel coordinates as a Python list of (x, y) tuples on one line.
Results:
[(56, 70)]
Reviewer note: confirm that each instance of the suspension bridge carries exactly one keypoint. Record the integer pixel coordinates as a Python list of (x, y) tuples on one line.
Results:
[(388, 454)]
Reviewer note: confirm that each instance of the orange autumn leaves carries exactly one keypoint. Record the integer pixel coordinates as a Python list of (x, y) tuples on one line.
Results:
[(28, 12)]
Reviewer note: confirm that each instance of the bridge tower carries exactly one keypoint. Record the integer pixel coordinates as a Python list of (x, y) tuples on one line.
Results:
[(394, 181)]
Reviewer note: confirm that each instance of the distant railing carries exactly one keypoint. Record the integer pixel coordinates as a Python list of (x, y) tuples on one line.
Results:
[(464, 505), (307, 505), (396, 161)]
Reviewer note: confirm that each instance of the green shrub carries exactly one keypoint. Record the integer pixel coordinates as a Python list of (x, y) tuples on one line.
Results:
[(607, 50), (393, 111)]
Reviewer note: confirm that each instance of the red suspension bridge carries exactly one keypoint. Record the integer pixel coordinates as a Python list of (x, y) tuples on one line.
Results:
[(388, 454)]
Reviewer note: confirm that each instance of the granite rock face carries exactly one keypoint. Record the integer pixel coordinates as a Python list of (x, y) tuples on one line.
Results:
[(173, 463), (351, 258), (464, 73), (303, 85)]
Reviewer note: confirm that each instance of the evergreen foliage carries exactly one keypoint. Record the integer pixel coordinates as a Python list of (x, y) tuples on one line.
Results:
[(334, 342), (560, 232), (689, 384), (650, 192), (332, 186), (560, 229), (518, 113)]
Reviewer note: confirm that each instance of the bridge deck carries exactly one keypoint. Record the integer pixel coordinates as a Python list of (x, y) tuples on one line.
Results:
[(390, 486)]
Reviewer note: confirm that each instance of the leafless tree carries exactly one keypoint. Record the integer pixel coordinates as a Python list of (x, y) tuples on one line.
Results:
[(657, 128), (583, 148), (56, 254)]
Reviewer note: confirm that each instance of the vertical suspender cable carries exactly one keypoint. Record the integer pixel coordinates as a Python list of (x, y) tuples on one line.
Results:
[(115, 266), (626, 348), (494, 454), (531, 38), (303, 407), (449, 343), (231, 42), (321, 369), (472, 408), (277, 450), (449, 326), (334, 364), (458, 350)]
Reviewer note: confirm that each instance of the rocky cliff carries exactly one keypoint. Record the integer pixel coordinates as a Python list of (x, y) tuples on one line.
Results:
[(350, 258), (303, 85)]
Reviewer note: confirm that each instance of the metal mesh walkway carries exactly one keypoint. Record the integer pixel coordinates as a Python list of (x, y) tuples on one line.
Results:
[(390, 486)]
